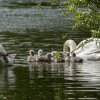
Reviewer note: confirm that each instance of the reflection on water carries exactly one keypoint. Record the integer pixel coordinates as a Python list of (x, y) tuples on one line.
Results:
[(51, 81)]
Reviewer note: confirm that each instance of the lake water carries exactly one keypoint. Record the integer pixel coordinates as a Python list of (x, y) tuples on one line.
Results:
[(51, 81), (22, 29)]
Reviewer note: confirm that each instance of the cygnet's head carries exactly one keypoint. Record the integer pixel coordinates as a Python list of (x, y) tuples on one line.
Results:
[(48, 55), (31, 52), (40, 52), (61, 54), (73, 54), (53, 53)]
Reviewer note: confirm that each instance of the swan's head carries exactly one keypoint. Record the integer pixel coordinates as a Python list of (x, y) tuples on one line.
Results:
[(66, 54), (31, 52), (40, 52)]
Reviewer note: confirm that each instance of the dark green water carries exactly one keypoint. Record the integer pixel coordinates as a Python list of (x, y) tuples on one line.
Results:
[(25, 28), (46, 81), (43, 81)]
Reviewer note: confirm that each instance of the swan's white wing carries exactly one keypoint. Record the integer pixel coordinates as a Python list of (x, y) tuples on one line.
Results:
[(90, 49)]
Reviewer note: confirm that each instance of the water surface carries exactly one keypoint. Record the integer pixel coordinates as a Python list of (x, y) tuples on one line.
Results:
[(25, 28), (51, 81)]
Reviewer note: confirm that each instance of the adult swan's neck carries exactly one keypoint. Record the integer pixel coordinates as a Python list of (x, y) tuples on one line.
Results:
[(69, 46)]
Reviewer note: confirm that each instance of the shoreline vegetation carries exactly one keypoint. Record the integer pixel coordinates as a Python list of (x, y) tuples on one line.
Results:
[(31, 4), (23, 4)]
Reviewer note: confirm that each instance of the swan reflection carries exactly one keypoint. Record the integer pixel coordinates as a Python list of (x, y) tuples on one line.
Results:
[(70, 71)]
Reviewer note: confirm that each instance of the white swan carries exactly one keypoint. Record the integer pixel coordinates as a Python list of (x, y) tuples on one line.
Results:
[(5, 58), (88, 49)]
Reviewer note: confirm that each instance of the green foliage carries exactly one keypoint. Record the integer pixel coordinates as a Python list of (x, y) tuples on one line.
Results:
[(64, 35), (57, 56), (96, 33), (54, 2), (86, 15)]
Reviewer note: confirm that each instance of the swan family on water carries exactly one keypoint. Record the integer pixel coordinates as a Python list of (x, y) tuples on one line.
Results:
[(54, 56), (88, 49)]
